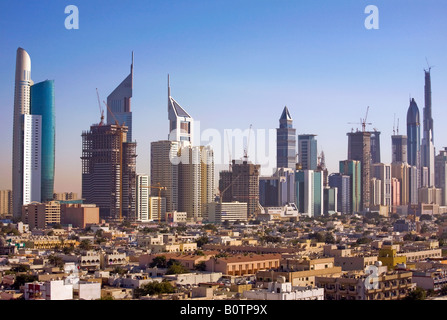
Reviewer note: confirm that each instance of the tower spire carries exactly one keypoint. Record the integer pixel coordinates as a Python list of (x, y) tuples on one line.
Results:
[(169, 87)]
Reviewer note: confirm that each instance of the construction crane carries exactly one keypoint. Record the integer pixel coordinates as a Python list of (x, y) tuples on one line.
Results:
[(363, 121), (101, 110), (248, 144), (159, 199), (121, 160)]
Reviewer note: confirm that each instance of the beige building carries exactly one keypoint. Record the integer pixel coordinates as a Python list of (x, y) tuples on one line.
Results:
[(79, 215), (65, 196), (243, 264), (40, 215), (5, 203)]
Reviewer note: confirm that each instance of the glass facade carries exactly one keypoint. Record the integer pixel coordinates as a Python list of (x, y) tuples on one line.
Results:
[(43, 104)]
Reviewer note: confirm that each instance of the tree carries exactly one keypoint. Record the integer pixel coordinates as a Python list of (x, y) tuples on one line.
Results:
[(159, 262), (152, 288), (21, 279), (85, 244), (201, 266), (416, 294), (56, 261), (175, 267), (202, 240)]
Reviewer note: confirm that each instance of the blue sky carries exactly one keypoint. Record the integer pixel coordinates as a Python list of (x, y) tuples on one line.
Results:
[(232, 64)]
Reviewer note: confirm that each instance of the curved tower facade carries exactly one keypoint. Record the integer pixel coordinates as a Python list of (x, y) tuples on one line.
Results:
[(413, 134), (42, 103), (22, 86)]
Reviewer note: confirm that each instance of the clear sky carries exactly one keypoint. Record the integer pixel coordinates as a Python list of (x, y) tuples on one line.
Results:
[(232, 64)]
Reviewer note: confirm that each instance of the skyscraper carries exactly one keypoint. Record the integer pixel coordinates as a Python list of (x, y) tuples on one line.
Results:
[(375, 147), (22, 86), (414, 137), (285, 142), (428, 148), (382, 172), (343, 184), (441, 173), (143, 198), (309, 192), (32, 161), (359, 148), (43, 104), (399, 147), (109, 171), (307, 151), (119, 103), (352, 168), (181, 124)]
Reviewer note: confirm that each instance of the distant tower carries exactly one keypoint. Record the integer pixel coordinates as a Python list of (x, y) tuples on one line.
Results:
[(307, 151), (285, 142), (399, 147), (359, 148), (119, 102), (375, 147), (428, 148), (414, 137)]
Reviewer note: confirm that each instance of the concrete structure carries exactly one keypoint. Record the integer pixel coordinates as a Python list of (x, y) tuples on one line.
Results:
[(359, 149), (433, 279), (219, 212), (48, 290), (41, 215), (5, 203), (79, 215), (282, 290), (103, 182), (286, 142), (243, 265)]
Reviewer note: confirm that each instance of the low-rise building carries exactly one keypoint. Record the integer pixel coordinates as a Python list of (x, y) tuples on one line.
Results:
[(243, 264), (430, 279)]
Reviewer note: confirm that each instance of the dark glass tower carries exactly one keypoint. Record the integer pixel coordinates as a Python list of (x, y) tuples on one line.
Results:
[(42, 103), (413, 135), (307, 150), (285, 142), (427, 147)]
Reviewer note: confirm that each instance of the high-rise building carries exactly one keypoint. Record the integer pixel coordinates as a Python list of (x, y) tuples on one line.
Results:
[(181, 124), (22, 87), (241, 184), (428, 148), (307, 151), (165, 171), (43, 104), (143, 193), (352, 168), (330, 197), (119, 103), (382, 172), (401, 171), (41, 215), (286, 142), (343, 184), (309, 192), (399, 147), (414, 137), (441, 174), (395, 194), (375, 147), (109, 171), (277, 190), (359, 149)]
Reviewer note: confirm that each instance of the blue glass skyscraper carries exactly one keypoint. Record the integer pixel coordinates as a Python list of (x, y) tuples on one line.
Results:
[(43, 104), (413, 134), (286, 142)]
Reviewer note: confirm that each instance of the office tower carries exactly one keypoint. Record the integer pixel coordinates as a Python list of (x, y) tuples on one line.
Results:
[(309, 192), (400, 171), (108, 171), (359, 149), (414, 137), (413, 175), (382, 172), (330, 196), (399, 146), (5, 203), (22, 86), (277, 190), (241, 184), (343, 184), (375, 147), (220, 212), (79, 215), (181, 124), (119, 103), (376, 191), (352, 168), (196, 181), (164, 171), (143, 193), (286, 142), (428, 148), (43, 104), (441, 173), (307, 151)]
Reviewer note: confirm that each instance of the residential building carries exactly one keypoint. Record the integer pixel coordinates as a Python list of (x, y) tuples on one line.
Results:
[(142, 203), (243, 264), (41, 215), (5, 203)]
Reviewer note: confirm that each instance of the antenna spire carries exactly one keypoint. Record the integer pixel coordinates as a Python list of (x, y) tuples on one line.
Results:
[(169, 87)]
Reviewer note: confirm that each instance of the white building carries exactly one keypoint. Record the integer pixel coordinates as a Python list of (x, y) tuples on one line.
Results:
[(89, 290), (48, 290), (142, 192), (227, 211), (32, 143), (282, 290)]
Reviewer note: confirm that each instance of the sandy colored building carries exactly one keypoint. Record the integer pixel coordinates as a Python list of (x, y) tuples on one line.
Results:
[(79, 215), (243, 264)]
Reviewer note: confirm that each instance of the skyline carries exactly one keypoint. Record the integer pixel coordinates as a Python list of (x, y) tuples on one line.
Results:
[(210, 64)]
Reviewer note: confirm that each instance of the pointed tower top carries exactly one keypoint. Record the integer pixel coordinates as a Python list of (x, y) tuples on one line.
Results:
[(285, 114)]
